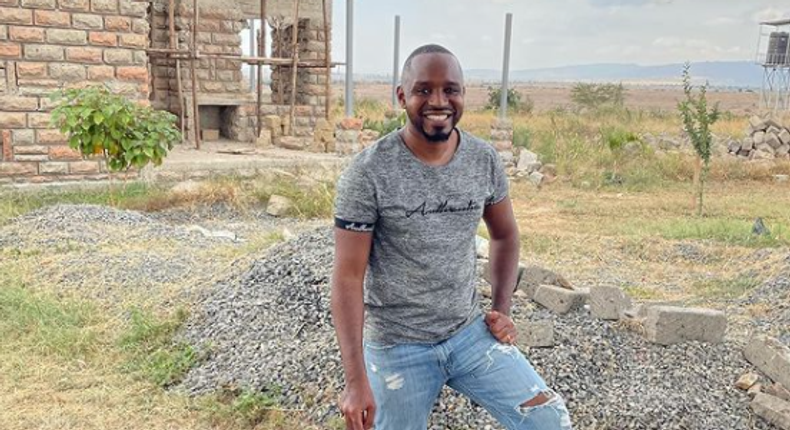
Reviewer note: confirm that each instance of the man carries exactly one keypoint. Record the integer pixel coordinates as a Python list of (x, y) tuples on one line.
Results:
[(407, 212)]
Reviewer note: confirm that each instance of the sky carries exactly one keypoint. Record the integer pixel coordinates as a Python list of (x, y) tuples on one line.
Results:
[(552, 33)]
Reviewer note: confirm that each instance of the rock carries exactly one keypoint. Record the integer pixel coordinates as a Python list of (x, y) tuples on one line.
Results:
[(482, 247), (773, 129), (292, 142), (507, 157), (757, 123), (549, 170), (351, 124), (771, 357), (532, 167), (525, 157), (559, 300), (536, 334), (533, 276), (667, 325), (759, 228), (222, 234), (762, 155), (485, 291), (755, 390), (186, 188), (782, 150), (536, 178), (734, 146), (772, 409), (747, 380), (747, 144), (279, 205), (608, 303), (778, 390)]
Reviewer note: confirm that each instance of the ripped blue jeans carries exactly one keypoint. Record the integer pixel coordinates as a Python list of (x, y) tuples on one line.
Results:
[(406, 380)]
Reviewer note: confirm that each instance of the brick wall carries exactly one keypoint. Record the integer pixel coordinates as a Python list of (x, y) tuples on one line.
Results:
[(46, 45)]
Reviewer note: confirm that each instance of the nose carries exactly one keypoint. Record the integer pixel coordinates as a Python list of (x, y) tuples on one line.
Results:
[(438, 98)]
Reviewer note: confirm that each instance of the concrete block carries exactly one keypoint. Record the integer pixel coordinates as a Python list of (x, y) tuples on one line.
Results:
[(536, 178), (536, 334), (772, 409), (608, 303), (209, 134), (559, 300), (773, 140), (533, 276), (666, 325), (771, 357), (784, 136), (778, 390), (526, 158), (757, 123), (759, 137)]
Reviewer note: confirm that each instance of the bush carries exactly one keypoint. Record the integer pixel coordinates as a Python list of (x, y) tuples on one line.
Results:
[(127, 134), (387, 125), (594, 96), (515, 100)]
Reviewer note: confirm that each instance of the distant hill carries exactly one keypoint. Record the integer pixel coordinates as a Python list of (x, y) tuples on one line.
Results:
[(742, 74)]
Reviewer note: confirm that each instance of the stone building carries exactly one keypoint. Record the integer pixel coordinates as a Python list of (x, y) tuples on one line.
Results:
[(50, 44)]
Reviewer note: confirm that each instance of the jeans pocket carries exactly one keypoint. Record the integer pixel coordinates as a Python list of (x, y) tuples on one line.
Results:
[(377, 346)]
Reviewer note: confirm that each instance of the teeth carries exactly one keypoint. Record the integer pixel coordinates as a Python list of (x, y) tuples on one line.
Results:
[(437, 117)]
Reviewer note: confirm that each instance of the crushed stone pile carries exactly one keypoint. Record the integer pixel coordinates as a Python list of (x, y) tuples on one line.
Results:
[(269, 329)]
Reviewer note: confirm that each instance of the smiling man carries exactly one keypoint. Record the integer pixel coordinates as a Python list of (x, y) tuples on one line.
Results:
[(404, 302)]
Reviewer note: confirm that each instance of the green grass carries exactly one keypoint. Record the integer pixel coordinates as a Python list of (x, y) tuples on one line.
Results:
[(731, 231), (153, 354), (46, 325), (728, 288), (639, 292), (14, 203)]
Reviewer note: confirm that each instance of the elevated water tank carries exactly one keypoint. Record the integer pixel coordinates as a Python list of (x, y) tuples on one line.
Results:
[(777, 48)]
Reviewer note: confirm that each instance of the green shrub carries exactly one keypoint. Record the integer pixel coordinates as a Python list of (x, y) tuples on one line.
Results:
[(387, 125), (98, 122), (516, 101), (594, 96)]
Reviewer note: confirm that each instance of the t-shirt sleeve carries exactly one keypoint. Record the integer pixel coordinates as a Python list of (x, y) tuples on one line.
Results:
[(499, 181), (356, 207)]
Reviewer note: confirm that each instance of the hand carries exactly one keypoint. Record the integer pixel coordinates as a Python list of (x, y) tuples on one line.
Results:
[(502, 327), (358, 407)]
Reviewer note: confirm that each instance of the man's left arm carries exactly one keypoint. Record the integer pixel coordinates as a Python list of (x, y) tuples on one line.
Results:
[(503, 258)]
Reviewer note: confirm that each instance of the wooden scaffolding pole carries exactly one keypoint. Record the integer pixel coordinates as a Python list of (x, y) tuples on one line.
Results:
[(261, 53), (294, 67), (328, 62), (174, 45), (194, 55)]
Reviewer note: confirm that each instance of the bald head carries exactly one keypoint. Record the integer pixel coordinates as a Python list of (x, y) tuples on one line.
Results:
[(407, 73)]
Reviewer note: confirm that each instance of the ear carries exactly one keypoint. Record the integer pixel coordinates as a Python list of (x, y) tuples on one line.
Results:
[(401, 96)]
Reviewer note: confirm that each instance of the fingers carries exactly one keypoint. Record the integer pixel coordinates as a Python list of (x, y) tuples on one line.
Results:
[(369, 417), (502, 327), (353, 421)]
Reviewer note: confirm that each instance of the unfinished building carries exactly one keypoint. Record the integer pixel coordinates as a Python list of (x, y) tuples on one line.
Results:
[(189, 64)]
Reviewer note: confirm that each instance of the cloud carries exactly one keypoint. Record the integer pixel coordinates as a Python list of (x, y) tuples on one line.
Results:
[(721, 21), (624, 3), (770, 14)]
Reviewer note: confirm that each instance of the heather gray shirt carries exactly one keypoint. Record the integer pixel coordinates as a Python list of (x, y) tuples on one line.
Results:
[(420, 281)]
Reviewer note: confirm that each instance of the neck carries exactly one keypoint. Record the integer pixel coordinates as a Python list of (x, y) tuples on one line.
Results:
[(431, 153)]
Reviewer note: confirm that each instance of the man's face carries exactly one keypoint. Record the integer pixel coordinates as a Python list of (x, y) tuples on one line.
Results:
[(433, 95)]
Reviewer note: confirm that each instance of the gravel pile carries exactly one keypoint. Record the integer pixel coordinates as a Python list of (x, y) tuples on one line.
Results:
[(269, 329)]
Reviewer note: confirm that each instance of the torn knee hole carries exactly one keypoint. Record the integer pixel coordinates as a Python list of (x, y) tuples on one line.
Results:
[(538, 400)]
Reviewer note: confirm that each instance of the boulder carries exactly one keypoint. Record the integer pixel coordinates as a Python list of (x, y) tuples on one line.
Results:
[(279, 206)]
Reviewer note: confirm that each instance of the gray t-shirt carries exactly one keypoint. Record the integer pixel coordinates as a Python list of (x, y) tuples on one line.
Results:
[(420, 282)]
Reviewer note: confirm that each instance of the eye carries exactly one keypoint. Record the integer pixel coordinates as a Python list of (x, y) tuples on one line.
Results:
[(422, 91), (452, 91)]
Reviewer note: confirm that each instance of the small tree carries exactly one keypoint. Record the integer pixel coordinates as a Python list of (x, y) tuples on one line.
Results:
[(697, 120), (594, 96), (515, 100), (98, 122)]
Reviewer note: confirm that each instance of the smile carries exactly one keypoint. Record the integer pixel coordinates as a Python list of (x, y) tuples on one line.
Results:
[(437, 117)]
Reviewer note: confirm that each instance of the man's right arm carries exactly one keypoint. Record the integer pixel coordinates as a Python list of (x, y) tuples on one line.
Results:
[(352, 250)]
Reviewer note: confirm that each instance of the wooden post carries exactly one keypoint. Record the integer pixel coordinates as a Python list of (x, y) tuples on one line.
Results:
[(294, 66), (327, 57), (195, 110), (174, 46), (261, 53)]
